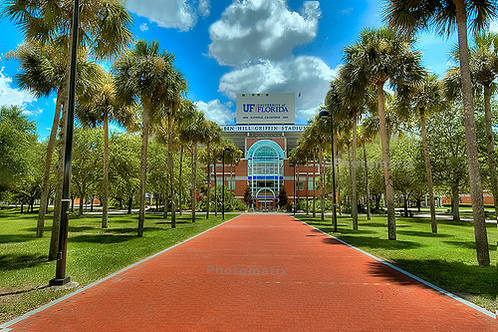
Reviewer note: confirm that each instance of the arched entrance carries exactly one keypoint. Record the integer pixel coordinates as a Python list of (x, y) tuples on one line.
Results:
[(265, 172)]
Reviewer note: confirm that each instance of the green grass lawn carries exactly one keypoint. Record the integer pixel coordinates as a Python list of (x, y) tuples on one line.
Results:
[(446, 259), (93, 252)]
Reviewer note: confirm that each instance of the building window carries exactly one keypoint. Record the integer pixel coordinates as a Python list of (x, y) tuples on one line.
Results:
[(265, 169)]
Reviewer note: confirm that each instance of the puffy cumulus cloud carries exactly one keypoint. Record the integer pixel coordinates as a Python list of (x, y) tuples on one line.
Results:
[(179, 14), (11, 96), (306, 76), (261, 29), (217, 112)]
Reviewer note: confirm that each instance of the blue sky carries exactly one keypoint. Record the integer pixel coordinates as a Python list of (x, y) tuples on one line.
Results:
[(225, 47)]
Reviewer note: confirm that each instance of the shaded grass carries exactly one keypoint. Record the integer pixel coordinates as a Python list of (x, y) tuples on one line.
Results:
[(93, 252), (446, 259)]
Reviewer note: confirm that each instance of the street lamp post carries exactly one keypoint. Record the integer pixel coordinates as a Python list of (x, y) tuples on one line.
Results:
[(60, 275), (294, 168), (324, 114), (226, 149)]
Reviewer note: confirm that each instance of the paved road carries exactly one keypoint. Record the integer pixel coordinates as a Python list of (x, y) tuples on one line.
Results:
[(259, 273)]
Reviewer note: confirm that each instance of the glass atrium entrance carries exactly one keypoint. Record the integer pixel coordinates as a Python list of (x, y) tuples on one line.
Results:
[(265, 173)]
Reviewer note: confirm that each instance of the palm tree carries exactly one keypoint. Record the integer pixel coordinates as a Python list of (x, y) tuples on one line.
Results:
[(147, 77), (425, 97), (484, 67), (186, 114), (444, 16), (212, 136), (104, 33), (98, 105), (382, 56), (193, 134)]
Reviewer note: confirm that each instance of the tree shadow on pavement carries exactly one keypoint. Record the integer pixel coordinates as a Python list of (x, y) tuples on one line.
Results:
[(451, 276)]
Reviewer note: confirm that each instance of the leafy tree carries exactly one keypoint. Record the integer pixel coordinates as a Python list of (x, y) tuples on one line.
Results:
[(283, 200), (124, 161), (18, 140), (406, 168), (248, 199), (147, 77), (87, 162), (446, 138)]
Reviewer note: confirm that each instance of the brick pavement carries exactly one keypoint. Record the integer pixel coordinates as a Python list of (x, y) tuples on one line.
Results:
[(312, 283)]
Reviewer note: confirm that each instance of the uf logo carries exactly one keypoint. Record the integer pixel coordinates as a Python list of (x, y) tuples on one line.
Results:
[(249, 107)]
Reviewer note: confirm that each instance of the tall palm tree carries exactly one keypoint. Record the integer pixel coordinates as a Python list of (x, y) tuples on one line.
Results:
[(104, 33), (382, 56), (444, 16), (425, 97), (193, 134), (212, 136), (98, 105), (147, 76), (484, 67), (186, 115)]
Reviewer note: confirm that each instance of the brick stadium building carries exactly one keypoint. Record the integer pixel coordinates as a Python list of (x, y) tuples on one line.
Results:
[(266, 132)]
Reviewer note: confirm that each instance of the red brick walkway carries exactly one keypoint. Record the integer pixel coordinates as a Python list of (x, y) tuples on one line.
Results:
[(317, 284)]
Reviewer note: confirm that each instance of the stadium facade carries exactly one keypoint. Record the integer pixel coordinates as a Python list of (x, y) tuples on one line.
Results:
[(266, 132)]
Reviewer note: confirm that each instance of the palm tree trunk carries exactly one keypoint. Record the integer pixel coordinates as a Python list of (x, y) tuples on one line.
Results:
[(307, 186), (208, 190), (428, 170), (105, 181), (455, 203), (367, 191), (215, 191), (480, 232), (194, 180), (143, 165), (80, 206), (297, 186), (48, 165), (354, 199), (180, 182), (314, 184), (171, 172), (322, 184), (490, 145), (391, 219)]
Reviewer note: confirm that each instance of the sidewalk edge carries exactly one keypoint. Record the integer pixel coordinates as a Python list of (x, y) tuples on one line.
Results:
[(4, 326), (453, 296)]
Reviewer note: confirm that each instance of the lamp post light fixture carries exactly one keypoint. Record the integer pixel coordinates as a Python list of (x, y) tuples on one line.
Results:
[(294, 167), (60, 275), (226, 149), (324, 115)]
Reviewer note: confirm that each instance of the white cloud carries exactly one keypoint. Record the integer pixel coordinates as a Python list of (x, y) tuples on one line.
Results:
[(216, 111), (179, 14), (308, 77), (33, 113), (205, 7), (11, 96), (144, 27), (255, 29)]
